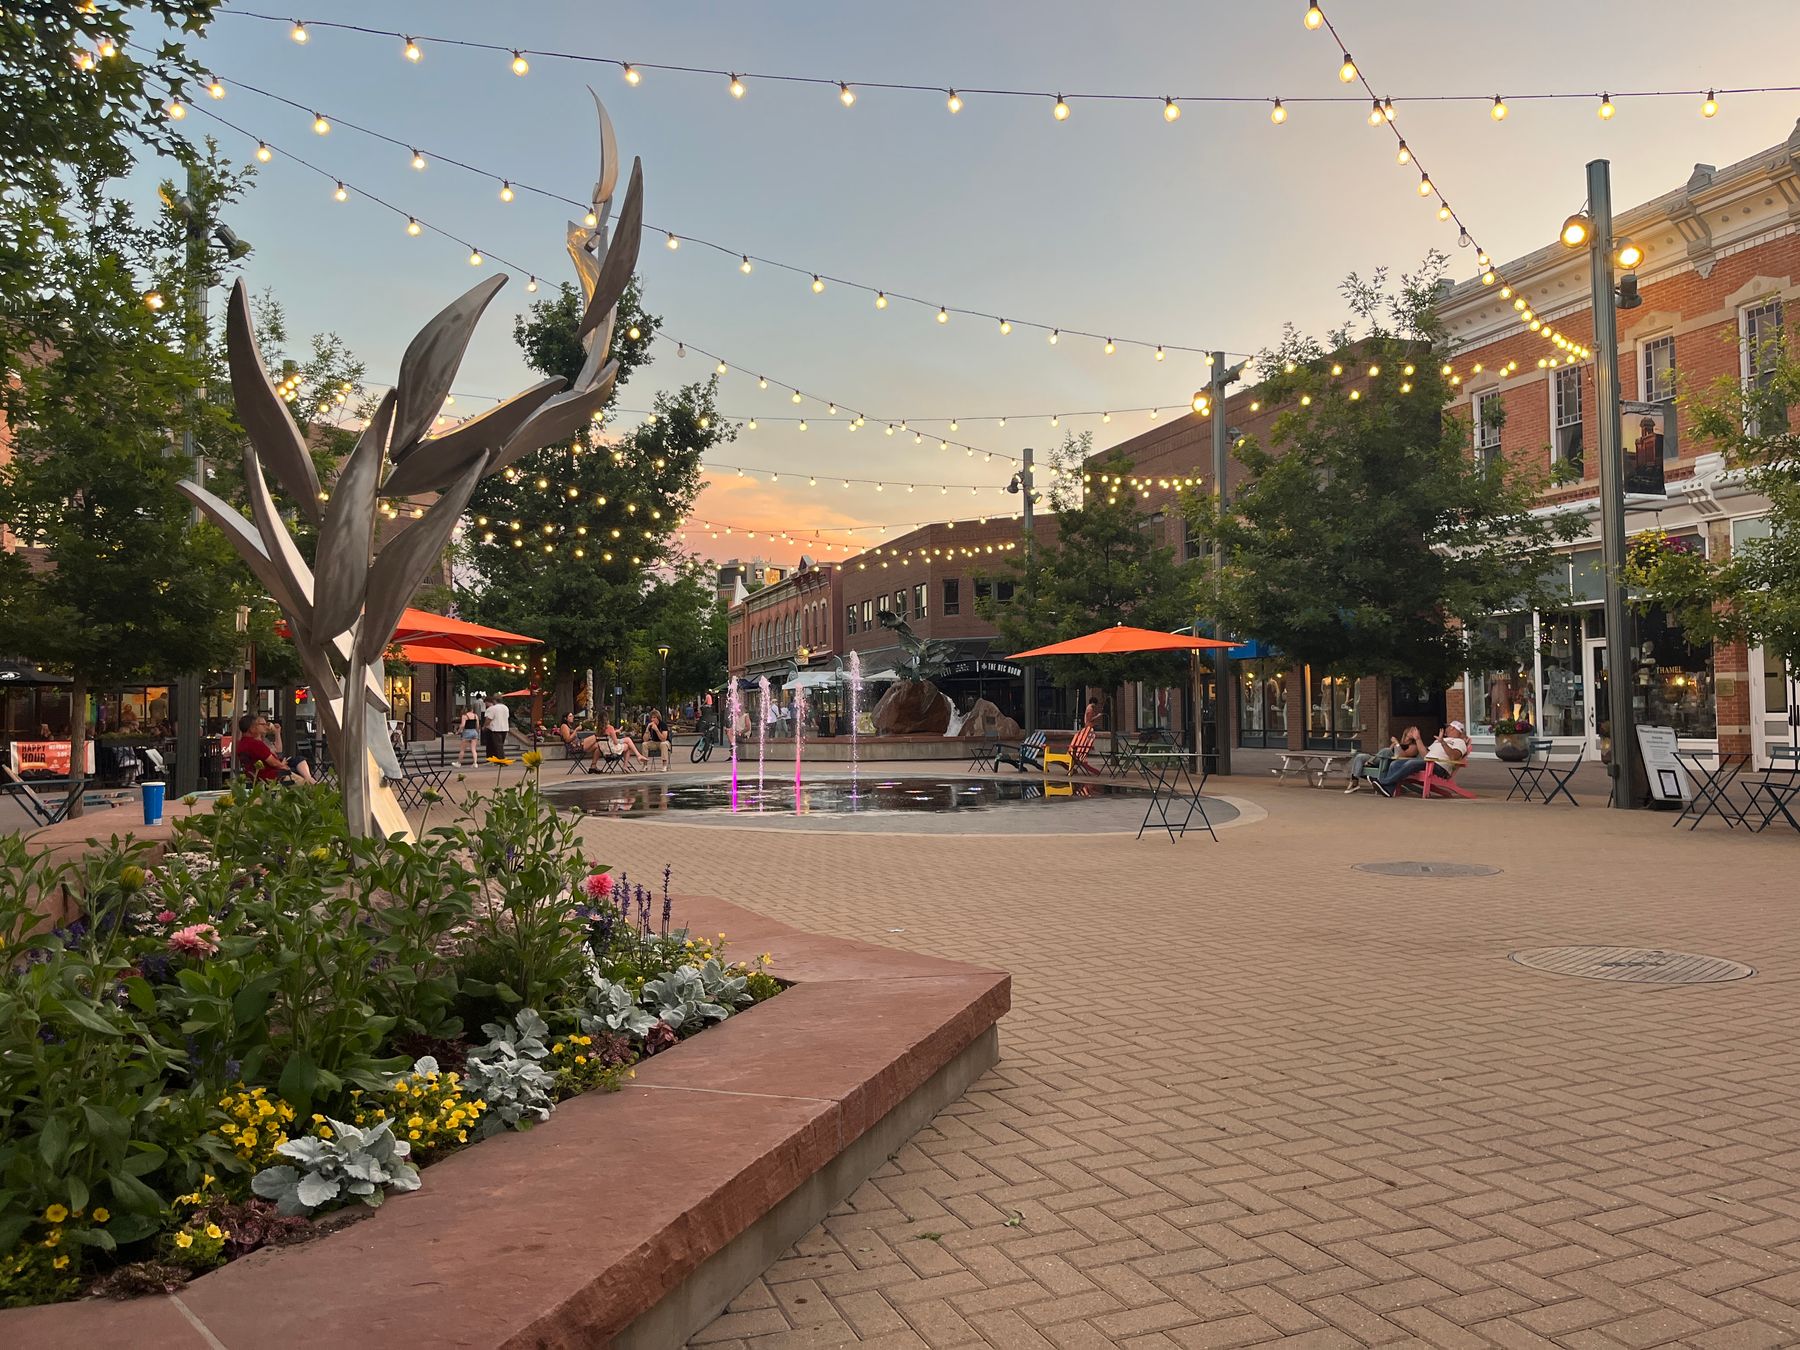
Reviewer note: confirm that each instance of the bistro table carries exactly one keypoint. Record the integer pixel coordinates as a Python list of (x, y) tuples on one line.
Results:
[(1172, 788), (1712, 788)]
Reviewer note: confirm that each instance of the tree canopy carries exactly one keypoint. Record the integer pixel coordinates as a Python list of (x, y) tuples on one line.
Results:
[(1105, 566), (1367, 539)]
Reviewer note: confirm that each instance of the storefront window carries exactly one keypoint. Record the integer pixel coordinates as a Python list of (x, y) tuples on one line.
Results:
[(1262, 702), (1506, 695), (1331, 719), (1155, 707), (1673, 679), (1559, 643)]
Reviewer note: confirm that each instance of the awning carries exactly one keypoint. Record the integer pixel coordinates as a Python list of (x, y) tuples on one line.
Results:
[(421, 654), (816, 679)]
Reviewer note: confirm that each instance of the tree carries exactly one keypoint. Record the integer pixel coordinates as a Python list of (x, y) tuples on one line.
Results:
[(1367, 540), (72, 111), (1752, 596), (1104, 567), (566, 544), (682, 611), (130, 587)]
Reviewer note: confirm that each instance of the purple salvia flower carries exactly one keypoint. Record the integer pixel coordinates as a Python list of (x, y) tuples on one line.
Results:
[(668, 904)]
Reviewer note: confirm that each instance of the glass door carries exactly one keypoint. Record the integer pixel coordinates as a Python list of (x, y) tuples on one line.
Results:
[(1599, 722), (1772, 703)]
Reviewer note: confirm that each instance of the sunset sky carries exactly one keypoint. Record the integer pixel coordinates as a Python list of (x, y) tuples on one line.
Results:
[(1211, 230)]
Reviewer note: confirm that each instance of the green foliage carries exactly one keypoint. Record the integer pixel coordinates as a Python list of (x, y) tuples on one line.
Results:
[(606, 506), (352, 1163), (1105, 567), (681, 610), (1366, 530), (1753, 595), (509, 1076)]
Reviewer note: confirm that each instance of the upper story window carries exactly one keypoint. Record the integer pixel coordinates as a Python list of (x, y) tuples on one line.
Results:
[(952, 595), (1490, 412), (983, 589), (1003, 592), (1658, 381), (1761, 329), (868, 614), (900, 603), (849, 619), (1565, 420), (918, 600)]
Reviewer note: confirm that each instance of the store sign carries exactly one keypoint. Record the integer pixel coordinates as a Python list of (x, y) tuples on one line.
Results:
[(1005, 669), (45, 759), (1647, 432), (1669, 780)]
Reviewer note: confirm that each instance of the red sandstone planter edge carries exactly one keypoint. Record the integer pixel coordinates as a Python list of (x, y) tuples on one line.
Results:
[(627, 1218)]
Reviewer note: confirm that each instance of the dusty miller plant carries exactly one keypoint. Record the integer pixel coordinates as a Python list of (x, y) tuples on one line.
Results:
[(508, 1076), (354, 1164)]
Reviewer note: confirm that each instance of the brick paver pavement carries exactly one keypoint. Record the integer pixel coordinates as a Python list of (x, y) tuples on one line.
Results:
[(1248, 1094)]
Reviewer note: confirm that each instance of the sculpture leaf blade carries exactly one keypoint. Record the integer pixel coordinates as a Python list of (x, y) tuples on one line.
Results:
[(431, 362), (404, 562), (559, 419), (265, 417), (621, 259), (438, 460), (349, 529)]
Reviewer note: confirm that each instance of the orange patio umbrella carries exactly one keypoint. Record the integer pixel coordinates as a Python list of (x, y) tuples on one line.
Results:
[(421, 627), (423, 654), (1120, 639)]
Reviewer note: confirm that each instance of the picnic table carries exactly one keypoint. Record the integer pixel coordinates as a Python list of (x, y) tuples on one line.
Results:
[(1313, 765)]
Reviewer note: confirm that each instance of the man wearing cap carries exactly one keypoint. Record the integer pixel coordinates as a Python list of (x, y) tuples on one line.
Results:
[(1446, 752)]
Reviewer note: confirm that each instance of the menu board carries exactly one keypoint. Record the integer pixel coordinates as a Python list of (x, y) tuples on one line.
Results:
[(1668, 779), (45, 759)]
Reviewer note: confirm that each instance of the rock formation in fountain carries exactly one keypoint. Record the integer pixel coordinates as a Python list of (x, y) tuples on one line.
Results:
[(986, 721), (913, 708)]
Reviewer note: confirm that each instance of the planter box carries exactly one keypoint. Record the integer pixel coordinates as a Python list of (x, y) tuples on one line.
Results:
[(629, 1219)]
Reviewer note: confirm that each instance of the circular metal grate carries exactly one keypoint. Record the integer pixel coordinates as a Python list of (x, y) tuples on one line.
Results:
[(1633, 965), (1428, 869)]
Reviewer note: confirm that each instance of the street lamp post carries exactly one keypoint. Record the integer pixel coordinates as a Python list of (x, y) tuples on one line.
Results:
[(1221, 381), (662, 650), (1594, 231)]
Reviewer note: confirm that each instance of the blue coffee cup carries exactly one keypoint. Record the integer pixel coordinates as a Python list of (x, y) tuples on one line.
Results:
[(153, 802)]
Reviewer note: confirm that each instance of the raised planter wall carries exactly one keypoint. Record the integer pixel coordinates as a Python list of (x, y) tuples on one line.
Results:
[(629, 1219)]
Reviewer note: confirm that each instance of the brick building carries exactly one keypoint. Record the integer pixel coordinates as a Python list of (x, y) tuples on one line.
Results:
[(1720, 279)]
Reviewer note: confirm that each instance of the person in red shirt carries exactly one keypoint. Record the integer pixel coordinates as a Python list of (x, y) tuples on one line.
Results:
[(259, 763)]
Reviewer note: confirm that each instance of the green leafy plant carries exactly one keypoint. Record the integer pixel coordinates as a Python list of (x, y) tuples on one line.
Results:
[(507, 1074), (352, 1164)]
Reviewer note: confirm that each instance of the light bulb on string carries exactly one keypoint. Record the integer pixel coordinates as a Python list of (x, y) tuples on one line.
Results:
[(1444, 211), (298, 32), (1315, 17), (418, 160), (342, 193), (591, 220), (744, 265), (1005, 328), (520, 66), (630, 72), (320, 125), (1606, 109), (1109, 349), (736, 87), (1347, 71), (817, 285), (943, 315), (1171, 110), (1160, 354), (263, 153), (1278, 114), (412, 226), (411, 51), (954, 103), (215, 88), (1387, 109), (846, 95), (531, 284), (1061, 110), (1055, 334), (1403, 155), (673, 242), (881, 300), (1710, 108), (1499, 110), (795, 397), (506, 191), (1376, 117), (1425, 188), (474, 257)]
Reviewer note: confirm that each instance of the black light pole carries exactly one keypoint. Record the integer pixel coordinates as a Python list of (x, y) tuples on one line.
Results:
[(663, 651)]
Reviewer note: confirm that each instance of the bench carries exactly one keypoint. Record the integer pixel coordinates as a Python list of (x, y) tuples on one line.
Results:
[(1313, 765)]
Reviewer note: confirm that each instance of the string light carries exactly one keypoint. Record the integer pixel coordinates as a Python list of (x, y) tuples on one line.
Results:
[(342, 193), (1403, 155), (177, 110), (744, 265), (263, 152), (673, 243), (1061, 111), (954, 103), (216, 88), (1278, 114), (846, 95), (817, 285), (1498, 111), (320, 125), (1314, 16), (506, 192), (411, 51), (1606, 109), (531, 285), (736, 87), (881, 300), (1005, 328), (298, 32), (1710, 108), (1376, 116), (1171, 110), (520, 66), (412, 226), (943, 315), (474, 257), (630, 72), (418, 160), (1347, 71)]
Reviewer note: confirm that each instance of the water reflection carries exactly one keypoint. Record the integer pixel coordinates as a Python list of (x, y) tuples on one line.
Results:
[(640, 797)]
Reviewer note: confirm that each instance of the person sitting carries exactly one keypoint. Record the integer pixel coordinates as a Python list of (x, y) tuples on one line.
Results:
[(258, 762), (1409, 744), (1444, 756), (624, 747), (657, 740)]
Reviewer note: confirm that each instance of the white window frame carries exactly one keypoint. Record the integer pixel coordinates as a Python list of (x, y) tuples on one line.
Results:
[(1647, 389), (1746, 354), (1484, 447), (1557, 421)]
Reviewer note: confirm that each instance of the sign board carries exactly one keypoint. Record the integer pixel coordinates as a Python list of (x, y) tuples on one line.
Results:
[(1668, 779), (1005, 669), (45, 759), (1647, 433)]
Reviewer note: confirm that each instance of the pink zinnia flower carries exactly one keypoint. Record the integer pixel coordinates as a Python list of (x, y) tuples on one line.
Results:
[(166, 916), (597, 886), (200, 939)]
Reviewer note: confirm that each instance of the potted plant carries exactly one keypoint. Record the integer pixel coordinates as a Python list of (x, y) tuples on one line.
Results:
[(1512, 738)]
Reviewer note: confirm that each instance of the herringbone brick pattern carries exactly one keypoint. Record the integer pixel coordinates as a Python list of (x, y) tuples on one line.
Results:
[(1249, 1095)]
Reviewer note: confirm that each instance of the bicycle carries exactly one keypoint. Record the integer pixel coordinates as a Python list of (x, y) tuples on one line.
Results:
[(703, 747)]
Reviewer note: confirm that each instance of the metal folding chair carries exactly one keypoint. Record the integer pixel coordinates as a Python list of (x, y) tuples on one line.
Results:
[(1527, 777), (42, 812), (1559, 777)]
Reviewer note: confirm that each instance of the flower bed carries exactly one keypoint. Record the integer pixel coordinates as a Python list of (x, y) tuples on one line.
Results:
[(274, 1020)]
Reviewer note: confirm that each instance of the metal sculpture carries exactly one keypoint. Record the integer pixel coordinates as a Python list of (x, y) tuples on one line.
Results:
[(343, 610)]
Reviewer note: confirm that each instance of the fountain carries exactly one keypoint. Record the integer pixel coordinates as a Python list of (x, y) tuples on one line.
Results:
[(734, 708), (762, 733), (799, 741), (855, 714)]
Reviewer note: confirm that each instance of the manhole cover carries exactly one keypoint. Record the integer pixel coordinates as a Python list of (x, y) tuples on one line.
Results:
[(1428, 869), (1634, 965)]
